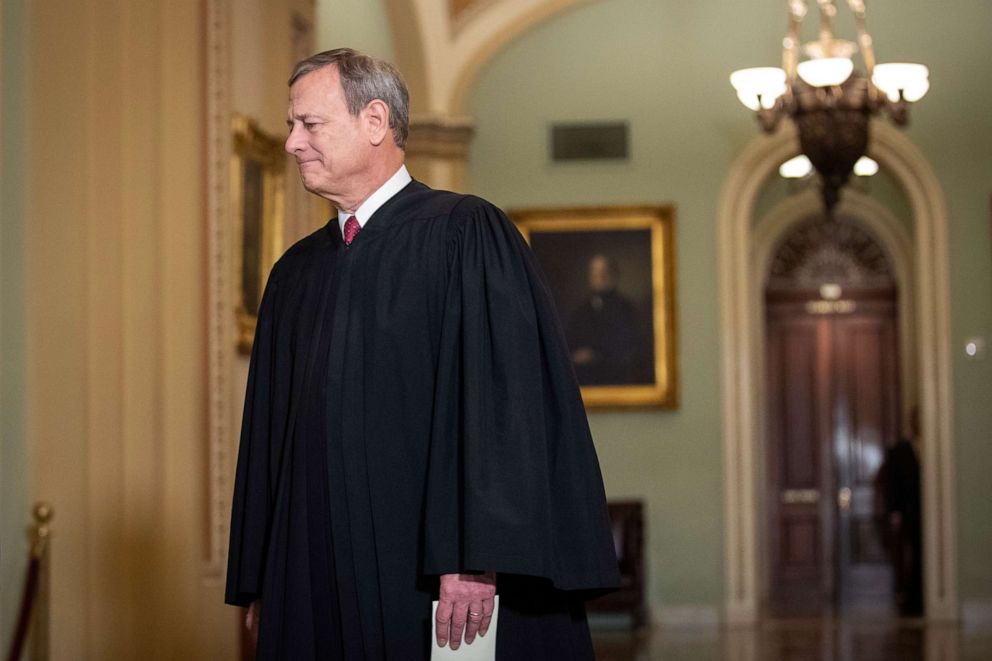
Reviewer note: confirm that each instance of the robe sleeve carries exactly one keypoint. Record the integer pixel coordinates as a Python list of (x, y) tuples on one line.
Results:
[(514, 484), (260, 452)]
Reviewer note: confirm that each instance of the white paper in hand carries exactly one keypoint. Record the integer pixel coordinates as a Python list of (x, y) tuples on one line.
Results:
[(483, 648)]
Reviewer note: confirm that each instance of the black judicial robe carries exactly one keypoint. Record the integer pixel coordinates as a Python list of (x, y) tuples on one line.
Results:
[(412, 411)]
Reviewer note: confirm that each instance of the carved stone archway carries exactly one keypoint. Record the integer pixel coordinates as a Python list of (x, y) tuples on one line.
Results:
[(441, 51)]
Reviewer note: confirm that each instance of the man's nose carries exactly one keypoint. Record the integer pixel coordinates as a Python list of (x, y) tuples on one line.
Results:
[(293, 142)]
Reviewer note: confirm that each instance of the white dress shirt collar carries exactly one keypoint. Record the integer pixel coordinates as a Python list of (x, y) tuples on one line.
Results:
[(393, 185)]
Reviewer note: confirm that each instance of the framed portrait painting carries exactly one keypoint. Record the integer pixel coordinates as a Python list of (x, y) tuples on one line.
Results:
[(257, 181), (611, 273)]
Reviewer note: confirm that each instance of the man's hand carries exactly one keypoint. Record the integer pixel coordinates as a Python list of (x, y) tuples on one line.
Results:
[(251, 620), (465, 604)]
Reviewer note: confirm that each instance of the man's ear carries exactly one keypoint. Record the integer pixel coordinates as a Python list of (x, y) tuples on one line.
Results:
[(376, 119)]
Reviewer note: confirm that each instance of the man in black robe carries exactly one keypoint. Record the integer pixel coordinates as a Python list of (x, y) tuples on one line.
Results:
[(412, 426), (604, 331)]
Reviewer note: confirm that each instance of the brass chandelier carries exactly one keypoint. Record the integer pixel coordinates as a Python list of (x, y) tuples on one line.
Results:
[(830, 101)]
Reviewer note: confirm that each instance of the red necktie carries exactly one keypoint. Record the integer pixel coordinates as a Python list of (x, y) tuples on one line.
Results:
[(351, 228)]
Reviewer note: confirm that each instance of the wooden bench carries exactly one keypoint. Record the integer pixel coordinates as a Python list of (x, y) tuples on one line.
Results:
[(628, 539)]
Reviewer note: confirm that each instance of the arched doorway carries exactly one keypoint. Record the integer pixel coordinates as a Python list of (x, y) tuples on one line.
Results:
[(832, 419), (741, 342)]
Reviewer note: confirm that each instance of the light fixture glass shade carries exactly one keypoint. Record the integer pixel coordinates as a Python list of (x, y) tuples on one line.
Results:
[(912, 79), (831, 291), (766, 82), (865, 167), (796, 168), (825, 71)]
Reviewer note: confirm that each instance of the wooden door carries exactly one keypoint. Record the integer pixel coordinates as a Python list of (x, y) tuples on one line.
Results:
[(800, 541), (832, 393)]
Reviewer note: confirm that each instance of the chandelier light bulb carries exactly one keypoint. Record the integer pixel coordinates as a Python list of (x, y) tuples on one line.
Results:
[(768, 83), (796, 168), (865, 167), (825, 71), (913, 80)]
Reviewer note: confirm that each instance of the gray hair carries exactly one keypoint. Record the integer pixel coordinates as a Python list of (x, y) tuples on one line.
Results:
[(364, 79)]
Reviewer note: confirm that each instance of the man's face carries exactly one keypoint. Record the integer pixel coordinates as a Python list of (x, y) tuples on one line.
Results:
[(601, 276), (330, 146)]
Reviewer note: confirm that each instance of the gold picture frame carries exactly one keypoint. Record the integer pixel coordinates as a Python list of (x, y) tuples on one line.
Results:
[(258, 164), (611, 271)]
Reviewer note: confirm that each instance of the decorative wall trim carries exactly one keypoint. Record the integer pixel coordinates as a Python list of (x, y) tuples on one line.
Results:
[(304, 210), (895, 152), (440, 137), (740, 367), (220, 332)]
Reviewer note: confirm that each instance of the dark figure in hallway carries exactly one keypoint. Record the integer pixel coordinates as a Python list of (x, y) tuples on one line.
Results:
[(899, 485)]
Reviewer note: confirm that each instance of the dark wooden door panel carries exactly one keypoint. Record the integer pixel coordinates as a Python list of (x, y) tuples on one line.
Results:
[(798, 440), (833, 409), (798, 543)]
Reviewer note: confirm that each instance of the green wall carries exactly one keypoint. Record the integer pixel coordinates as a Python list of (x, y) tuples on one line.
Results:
[(14, 517), (360, 24), (627, 60), (663, 66)]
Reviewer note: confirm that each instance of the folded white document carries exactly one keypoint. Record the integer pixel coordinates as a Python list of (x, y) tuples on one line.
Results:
[(483, 648)]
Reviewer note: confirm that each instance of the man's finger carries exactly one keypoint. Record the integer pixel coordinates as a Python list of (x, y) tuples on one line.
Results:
[(251, 616), (488, 606), (458, 616), (441, 622), (474, 619), (252, 621)]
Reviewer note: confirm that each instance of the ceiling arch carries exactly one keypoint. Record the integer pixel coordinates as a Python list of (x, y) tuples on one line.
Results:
[(442, 52)]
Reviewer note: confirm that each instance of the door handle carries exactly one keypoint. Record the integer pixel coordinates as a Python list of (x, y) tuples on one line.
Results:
[(844, 498)]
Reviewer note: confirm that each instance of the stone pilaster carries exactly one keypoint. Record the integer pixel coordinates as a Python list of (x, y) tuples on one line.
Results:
[(437, 151)]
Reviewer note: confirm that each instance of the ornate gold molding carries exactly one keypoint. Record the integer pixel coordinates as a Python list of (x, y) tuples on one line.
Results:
[(658, 224), (258, 167)]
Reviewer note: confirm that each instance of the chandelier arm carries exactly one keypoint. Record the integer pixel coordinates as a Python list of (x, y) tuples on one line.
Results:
[(790, 45), (864, 38), (828, 10)]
